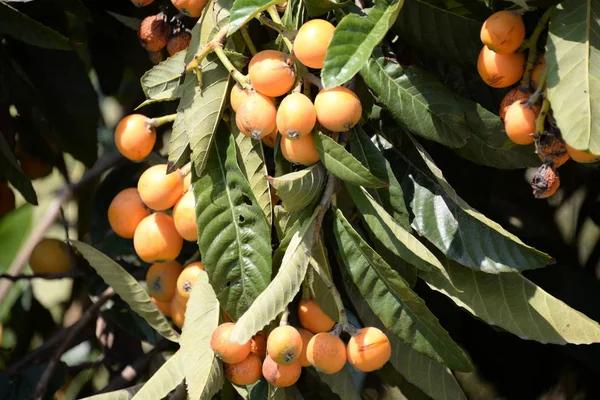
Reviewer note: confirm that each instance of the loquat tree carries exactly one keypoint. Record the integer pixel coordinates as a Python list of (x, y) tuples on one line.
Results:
[(318, 199)]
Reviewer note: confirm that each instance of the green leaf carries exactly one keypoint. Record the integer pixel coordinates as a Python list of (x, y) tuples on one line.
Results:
[(443, 29), (343, 164), (342, 383), (22, 27), (14, 229), (129, 22), (282, 166), (203, 372), (252, 162), (354, 39), (123, 394), (235, 240), (391, 298), (391, 235), (318, 288), (245, 10), (450, 224), (572, 57), (417, 100), (390, 197), (282, 289), (167, 378), (301, 188), (179, 144), (128, 288), (433, 378), (514, 303), (317, 8), (12, 171), (163, 81)]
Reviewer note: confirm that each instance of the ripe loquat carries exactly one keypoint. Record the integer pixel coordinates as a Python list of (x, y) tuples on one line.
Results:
[(190, 8), (134, 138), (284, 345), (50, 256), (500, 70), (306, 336), (514, 95), (178, 307), (270, 139), (159, 190), (313, 318), (245, 372), (256, 116), (326, 352), (187, 278), (258, 344), (161, 279), (581, 156), (237, 96), (163, 306), (369, 349), (156, 239), (184, 216), (272, 73), (503, 32), (310, 44), (281, 375), (538, 70), (228, 351), (519, 122), (126, 211), (154, 32), (338, 109), (300, 151), (296, 116)]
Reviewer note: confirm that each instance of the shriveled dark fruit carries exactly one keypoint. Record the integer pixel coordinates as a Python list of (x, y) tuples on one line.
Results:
[(551, 149), (156, 57), (179, 41), (545, 181), (154, 32)]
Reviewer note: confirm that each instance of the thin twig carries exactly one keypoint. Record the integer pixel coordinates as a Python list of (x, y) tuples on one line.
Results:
[(532, 44), (24, 277), (42, 386)]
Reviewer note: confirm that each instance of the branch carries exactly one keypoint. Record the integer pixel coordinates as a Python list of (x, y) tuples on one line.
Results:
[(15, 278), (42, 386)]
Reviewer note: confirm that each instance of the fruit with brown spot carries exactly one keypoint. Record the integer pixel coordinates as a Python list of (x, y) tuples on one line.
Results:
[(369, 349), (500, 70), (281, 375)]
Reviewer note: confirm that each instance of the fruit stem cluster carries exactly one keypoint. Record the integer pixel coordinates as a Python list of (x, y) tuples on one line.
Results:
[(532, 45), (156, 122), (276, 24), (233, 71), (194, 65)]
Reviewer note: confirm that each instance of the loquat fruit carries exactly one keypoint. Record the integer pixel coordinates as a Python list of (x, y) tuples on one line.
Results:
[(514, 95), (545, 182), (159, 190), (538, 70), (500, 70), (551, 149), (187, 182), (338, 109), (163, 306), (306, 336), (503, 32), (245, 372), (179, 41), (141, 3), (310, 44), (296, 116), (184, 216), (228, 351), (272, 73), (256, 116), (178, 308), (300, 151), (519, 122), (7, 199), (50, 256), (154, 32), (126, 211), (134, 138), (187, 278), (313, 318), (34, 167), (326, 352), (190, 8), (161, 279), (270, 139), (258, 344), (237, 96), (281, 375), (156, 239), (284, 345), (581, 156), (369, 349)]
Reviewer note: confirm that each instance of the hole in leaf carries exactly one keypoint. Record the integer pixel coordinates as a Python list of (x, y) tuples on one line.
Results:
[(246, 200), (228, 284), (241, 218)]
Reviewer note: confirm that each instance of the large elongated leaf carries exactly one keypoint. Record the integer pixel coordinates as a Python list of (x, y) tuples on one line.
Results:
[(433, 378), (316, 8), (203, 372), (252, 162), (417, 100), (354, 39), (390, 197), (123, 394), (179, 144), (573, 56), (22, 27), (244, 10), (167, 378), (235, 240), (401, 310), (203, 106), (342, 383), (342, 164), (517, 305), (162, 82), (128, 288), (448, 222), (300, 189), (281, 291), (320, 290)]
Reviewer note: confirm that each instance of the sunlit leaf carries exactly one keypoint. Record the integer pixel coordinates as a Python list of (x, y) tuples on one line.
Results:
[(123, 394), (316, 8), (179, 144), (342, 383), (244, 10), (167, 378), (299, 189), (163, 81)]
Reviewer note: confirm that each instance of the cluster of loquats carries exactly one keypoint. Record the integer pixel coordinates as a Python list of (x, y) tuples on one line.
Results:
[(272, 75), (157, 34), (169, 285), (501, 64), (280, 356)]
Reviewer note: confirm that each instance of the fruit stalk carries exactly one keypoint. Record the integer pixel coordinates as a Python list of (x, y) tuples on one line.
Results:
[(248, 40), (276, 24), (541, 87), (541, 119), (532, 45), (156, 122), (233, 71), (203, 52)]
